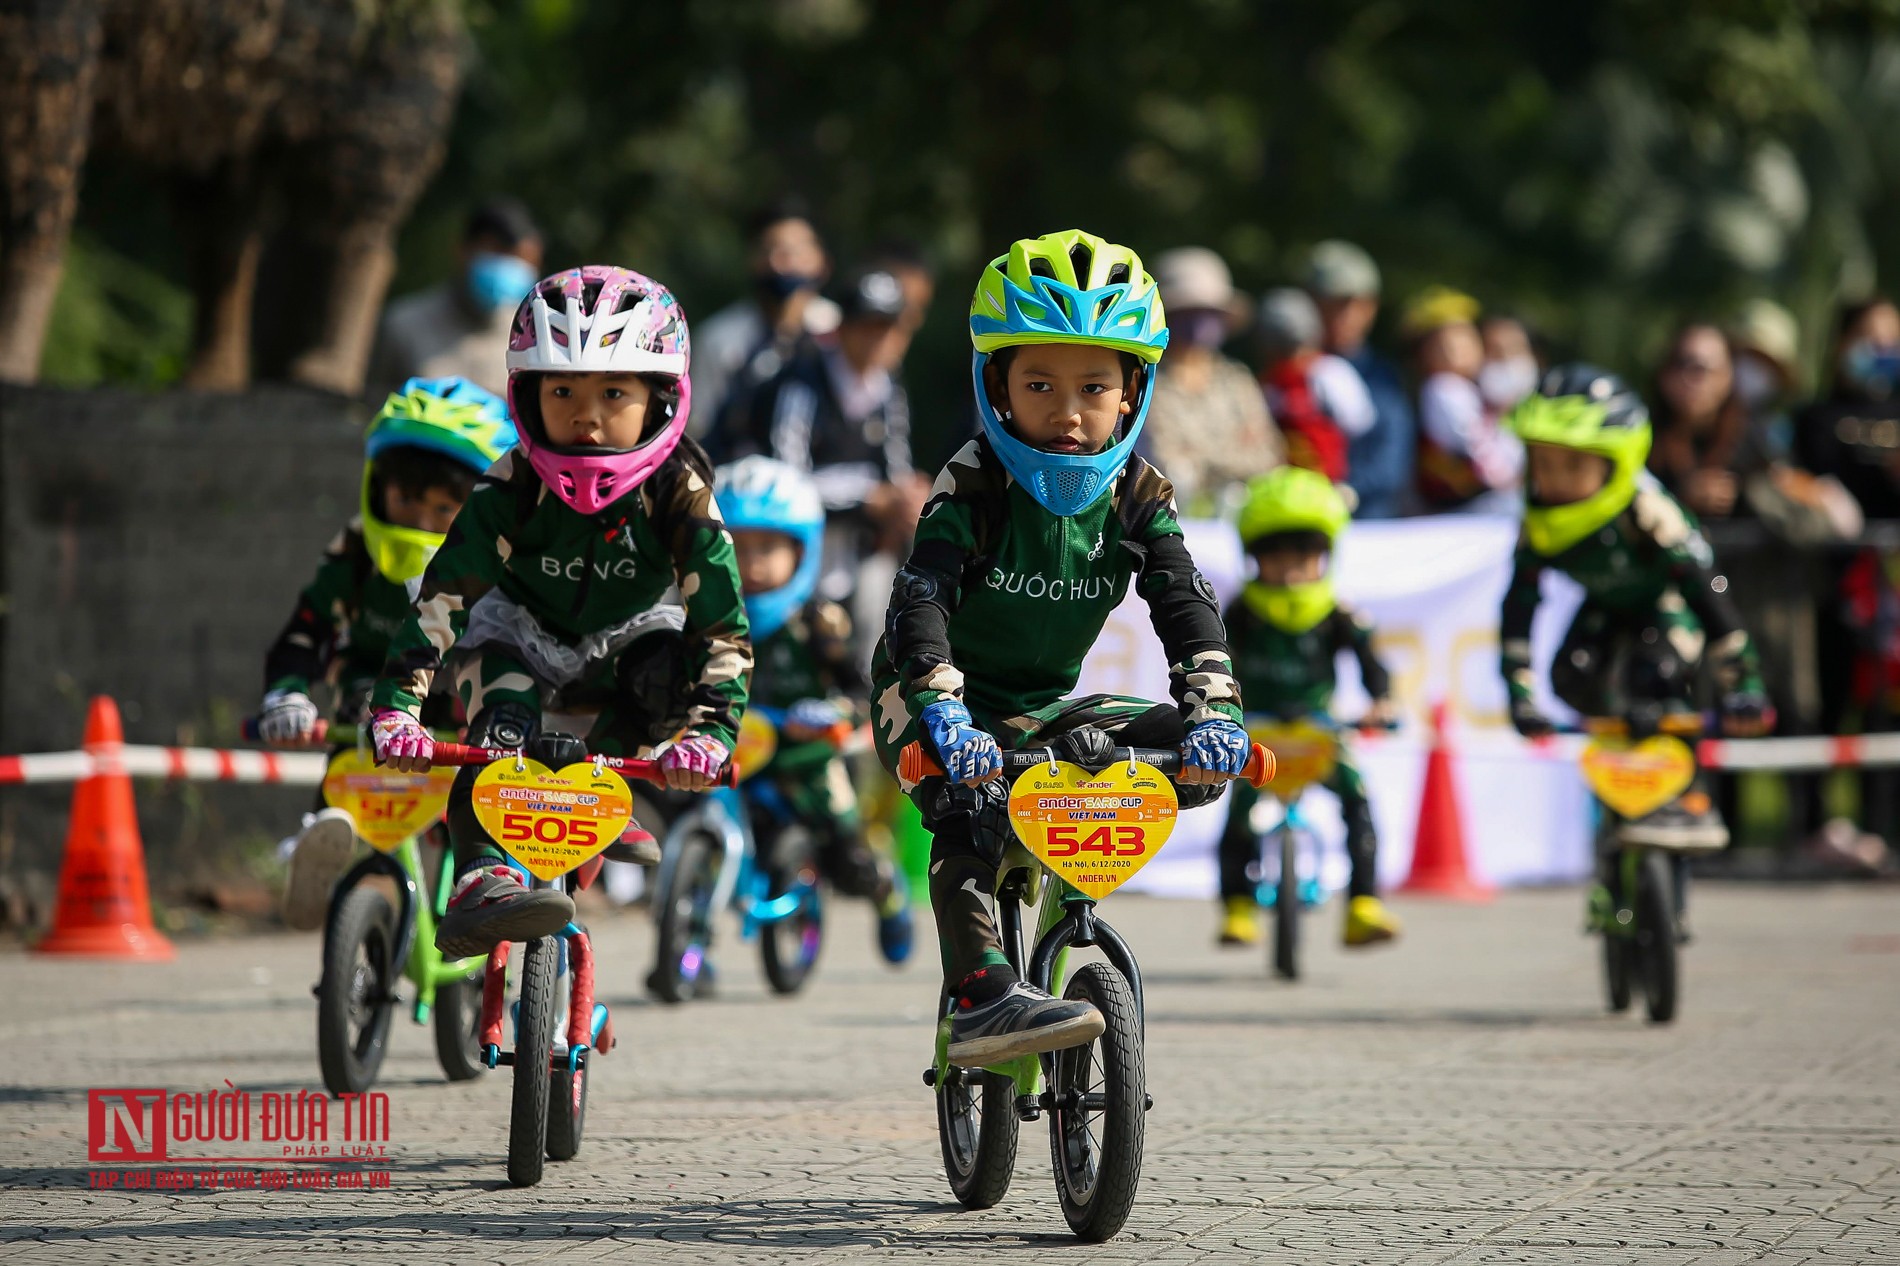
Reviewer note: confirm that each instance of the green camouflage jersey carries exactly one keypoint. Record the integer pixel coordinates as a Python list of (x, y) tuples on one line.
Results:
[(1001, 601), (1650, 564), (1290, 675), (810, 656), (346, 618), (585, 574)]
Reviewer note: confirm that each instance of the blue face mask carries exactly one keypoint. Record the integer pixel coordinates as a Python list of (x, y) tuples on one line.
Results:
[(783, 286), (1874, 368), (498, 281)]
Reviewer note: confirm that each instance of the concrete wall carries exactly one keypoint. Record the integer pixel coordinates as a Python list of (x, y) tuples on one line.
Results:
[(154, 545)]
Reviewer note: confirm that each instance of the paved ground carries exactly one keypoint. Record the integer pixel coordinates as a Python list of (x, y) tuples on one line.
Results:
[(1461, 1099)]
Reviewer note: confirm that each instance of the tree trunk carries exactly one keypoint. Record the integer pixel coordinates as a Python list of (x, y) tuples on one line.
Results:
[(223, 217), (364, 262)]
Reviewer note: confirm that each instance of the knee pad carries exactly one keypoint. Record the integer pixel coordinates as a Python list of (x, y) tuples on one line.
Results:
[(973, 817), (510, 724)]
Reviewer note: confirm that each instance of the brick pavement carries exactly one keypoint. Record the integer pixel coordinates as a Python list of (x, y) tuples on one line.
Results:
[(1459, 1099)]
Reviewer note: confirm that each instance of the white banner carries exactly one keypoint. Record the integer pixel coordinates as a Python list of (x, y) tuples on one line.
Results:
[(1432, 588)]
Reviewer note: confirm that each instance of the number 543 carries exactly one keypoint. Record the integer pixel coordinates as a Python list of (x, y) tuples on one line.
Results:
[(1109, 841)]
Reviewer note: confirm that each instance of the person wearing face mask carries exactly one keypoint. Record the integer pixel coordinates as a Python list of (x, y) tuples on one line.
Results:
[(1702, 442), (1209, 426), (459, 329), (1510, 370), (744, 344)]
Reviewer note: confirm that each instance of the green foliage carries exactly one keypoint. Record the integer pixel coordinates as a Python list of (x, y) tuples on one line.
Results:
[(116, 321)]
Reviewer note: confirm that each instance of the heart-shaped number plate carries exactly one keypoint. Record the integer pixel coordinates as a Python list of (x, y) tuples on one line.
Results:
[(758, 744), (1635, 779), (1303, 754), (551, 821), (389, 806), (1094, 830)]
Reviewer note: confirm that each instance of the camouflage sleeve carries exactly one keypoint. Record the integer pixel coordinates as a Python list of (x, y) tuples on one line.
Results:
[(1354, 633), (1514, 624), (1181, 604), (467, 566), (1691, 564), (302, 652), (929, 586), (836, 652), (718, 639)]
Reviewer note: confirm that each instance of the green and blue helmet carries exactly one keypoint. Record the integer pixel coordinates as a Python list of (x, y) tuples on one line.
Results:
[(449, 416)]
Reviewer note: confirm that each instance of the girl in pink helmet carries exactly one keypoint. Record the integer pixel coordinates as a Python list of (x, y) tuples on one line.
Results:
[(553, 585)]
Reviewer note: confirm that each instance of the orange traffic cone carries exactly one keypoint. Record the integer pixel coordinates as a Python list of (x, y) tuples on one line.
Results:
[(1438, 850), (103, 905)]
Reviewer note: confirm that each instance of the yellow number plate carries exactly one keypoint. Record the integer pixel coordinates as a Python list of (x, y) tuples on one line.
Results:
[(551, 821), (758, 744), (1094, 830), (1640, 778), (388, 805), (1303, 754)]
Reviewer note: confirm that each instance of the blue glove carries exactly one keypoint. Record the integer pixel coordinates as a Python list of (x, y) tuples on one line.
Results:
[(815, 714), (1218, 746), (968, 754)]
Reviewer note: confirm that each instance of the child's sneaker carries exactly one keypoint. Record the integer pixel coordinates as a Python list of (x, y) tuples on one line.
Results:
[(1688, 822), (894, 925), (636, 845), (317, 860), (1368, 922), (1239, 923), (1023, 1021), (490, 906)]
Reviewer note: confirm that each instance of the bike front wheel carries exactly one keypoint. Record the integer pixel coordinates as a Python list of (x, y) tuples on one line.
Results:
[(1097, 1127), (357, 994), (1656, 938), (1286, 910), (684, 910), (534, 1042), (788, 946)]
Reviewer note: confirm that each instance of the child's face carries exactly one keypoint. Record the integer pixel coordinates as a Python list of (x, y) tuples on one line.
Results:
[(1452, 349), (594, 410), (767, 560), (1281, 566), (1067, 397), (1562, 476), (431, 510)]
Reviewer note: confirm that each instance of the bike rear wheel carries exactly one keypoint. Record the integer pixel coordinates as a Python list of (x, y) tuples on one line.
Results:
[(458, 1019), (534, 1043), (788, 947), (357, 994), (1097, 1127), (685, 913), (1617, 970), (1286, 909), (567, 1110), (977, 1126), (1656, 937)]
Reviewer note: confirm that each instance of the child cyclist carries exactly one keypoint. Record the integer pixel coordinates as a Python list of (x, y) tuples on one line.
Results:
[(423, 453), (551, 585), (1655, 611), (1287, 630), (806, 666), (1032, 535)]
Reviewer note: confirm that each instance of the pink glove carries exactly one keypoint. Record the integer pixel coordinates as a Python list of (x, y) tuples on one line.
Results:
[(400, 740), (694, 763)]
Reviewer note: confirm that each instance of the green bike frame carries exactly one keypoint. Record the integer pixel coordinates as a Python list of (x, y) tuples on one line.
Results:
[(423, 964)]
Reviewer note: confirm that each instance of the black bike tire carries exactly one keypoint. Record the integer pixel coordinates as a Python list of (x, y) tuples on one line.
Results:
[(674, 908), (1656, 938), (1286, 909), (534, 1043), (781, 944), (567, 1110), (980, 1166), (363, 918), (1096, 1214)]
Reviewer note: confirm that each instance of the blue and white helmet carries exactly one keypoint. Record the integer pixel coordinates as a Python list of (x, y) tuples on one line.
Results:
[(763, 495), (1068, 287)]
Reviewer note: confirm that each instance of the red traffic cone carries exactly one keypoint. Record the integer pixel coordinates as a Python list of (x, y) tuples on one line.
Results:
[(103, 905), (1438, 850)]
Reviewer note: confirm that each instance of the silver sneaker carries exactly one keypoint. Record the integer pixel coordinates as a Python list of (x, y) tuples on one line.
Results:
[(1024, 1021), (318, 859)]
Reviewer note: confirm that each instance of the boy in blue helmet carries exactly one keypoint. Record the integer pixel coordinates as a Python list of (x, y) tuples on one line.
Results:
[(1032, 536), (424, 451), (805, 666)]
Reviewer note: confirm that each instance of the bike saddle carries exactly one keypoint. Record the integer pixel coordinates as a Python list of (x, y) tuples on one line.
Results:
[(1086, 746)]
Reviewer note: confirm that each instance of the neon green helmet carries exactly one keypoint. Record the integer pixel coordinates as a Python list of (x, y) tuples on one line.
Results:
[(449, 416), (1068, 287), (1592, 410), (1292, 499), (1288, 500)]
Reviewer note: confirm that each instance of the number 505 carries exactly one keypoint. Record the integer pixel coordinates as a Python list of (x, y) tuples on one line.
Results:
[(516, 827), (1109, 841)]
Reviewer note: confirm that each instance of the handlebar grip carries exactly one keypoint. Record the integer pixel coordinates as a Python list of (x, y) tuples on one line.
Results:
[(914, 764), (1260, 766)]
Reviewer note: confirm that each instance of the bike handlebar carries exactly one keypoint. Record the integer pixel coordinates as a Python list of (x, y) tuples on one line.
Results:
[(914, 764), (321, 736), (647, 771)]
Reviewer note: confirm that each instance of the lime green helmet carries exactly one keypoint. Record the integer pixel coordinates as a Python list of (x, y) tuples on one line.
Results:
[(1592, 410), (452, 417), (1292, 500)]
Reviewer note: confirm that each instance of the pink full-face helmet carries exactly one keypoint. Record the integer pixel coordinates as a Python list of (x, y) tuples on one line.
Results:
[(599, 319)]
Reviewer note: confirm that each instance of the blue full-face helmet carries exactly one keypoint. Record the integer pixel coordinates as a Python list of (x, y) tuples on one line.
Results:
[(1068, 287), (760, 494)]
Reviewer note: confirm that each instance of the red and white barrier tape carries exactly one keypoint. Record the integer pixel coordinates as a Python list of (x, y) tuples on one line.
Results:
[(180, 764)]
